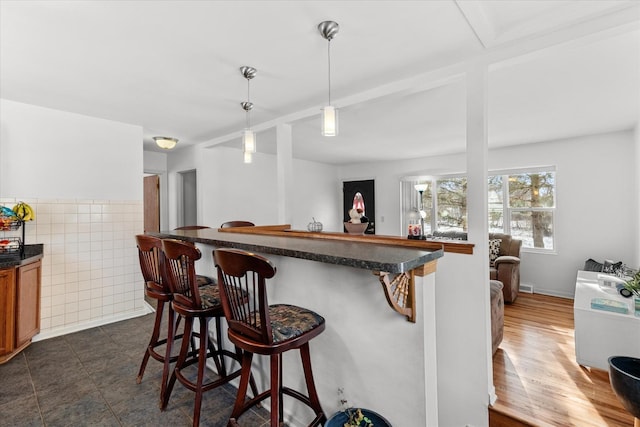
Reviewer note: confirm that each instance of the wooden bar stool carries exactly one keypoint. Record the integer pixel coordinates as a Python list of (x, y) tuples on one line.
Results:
[(156, 287), (200, 278), (260, 328), (196, 302)]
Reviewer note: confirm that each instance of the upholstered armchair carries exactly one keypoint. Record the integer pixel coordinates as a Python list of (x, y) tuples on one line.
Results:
[(506, 267)]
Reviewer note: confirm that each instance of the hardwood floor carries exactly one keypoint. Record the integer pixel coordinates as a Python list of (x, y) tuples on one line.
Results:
[(537, 379)]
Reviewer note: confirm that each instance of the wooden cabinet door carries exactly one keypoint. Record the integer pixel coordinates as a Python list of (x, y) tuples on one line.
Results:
[(28, 302), (7, 297)]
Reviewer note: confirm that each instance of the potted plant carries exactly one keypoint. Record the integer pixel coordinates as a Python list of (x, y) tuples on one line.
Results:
[(633, 286), (355, 417)]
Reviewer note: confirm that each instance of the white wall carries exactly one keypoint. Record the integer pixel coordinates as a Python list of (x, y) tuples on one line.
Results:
[(597, 195), (155, 162), (55, 154), (231, 190), (317, 194), (84, 178), (387, 176), (596, 214)]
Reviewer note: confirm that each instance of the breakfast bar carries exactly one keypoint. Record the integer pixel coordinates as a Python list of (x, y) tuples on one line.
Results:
[(378, 359)]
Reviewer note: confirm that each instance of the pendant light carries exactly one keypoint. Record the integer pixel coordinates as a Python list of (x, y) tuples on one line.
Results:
[(165, 142), (248, 136), (328, 30)]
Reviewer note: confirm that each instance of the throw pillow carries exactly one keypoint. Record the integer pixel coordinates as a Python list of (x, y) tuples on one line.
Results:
[(494, 250), (592, 265), (611, 267)]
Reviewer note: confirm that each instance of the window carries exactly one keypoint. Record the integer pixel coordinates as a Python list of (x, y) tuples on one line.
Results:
[(521, 203), (451, 200), (530, 209)]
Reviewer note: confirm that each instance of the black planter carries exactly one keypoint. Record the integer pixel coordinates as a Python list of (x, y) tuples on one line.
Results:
[(340, 418), (624, 374)]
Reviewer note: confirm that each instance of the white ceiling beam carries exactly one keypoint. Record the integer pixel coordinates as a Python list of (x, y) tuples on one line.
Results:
[(432, 79), (582, 34), (620, 21), (473, 12)]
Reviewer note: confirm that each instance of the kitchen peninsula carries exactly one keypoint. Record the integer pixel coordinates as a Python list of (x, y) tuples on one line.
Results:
[(380, 360)]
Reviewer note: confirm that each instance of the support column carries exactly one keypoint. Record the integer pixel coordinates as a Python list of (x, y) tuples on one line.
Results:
[(477, 203), (284, 144), (636, 259)]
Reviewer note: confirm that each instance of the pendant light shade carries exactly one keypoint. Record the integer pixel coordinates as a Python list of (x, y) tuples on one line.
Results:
[(249, 141), (165, 142), (248, 157), (329, 121), (328, 30)]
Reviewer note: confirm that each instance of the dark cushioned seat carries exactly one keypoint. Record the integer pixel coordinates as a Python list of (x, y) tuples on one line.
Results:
[(290, 321)]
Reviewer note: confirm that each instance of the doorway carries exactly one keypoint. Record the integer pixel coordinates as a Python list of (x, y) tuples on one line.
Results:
[(188, 206), (151, 202), (360, 195)]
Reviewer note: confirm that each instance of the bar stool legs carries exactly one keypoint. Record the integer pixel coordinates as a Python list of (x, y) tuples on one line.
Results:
[(277, 390), (206, 350), (153, 342)]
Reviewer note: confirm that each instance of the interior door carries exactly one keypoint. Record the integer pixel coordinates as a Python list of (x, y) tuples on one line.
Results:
[(151, 203), (360, 194)]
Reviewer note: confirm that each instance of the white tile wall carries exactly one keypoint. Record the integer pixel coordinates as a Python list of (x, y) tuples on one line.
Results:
[(90, 270)]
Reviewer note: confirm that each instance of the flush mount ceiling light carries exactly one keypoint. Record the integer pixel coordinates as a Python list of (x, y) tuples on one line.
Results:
[(248, 136), (328, 30), (165, 142)]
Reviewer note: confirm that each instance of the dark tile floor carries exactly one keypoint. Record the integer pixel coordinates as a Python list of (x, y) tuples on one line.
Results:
[(88, 378)]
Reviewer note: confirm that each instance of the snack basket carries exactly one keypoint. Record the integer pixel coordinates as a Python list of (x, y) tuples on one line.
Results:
[(10, 247), (9, 223)]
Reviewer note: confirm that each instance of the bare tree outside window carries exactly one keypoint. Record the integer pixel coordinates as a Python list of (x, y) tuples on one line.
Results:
[(531, 200), (520, 204), (452, 204)]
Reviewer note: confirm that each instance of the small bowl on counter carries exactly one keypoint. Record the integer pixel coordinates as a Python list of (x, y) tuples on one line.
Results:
[(356, 228)]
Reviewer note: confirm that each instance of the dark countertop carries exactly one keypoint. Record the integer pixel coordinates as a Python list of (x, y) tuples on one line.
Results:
[(30, 254), (368, 256)]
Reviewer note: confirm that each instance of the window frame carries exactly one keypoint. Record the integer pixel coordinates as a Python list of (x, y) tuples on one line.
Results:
[(507, 210)]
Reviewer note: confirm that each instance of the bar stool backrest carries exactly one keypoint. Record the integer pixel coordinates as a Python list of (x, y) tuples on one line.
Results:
[(180, 258), (242, 281), (152, 262), (231, 224)]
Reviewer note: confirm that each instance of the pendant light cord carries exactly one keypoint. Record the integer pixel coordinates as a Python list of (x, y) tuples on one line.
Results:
[(329, 66), (249, 101)]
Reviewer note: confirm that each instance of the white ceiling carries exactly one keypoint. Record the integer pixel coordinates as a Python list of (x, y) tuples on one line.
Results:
[(558, 69)]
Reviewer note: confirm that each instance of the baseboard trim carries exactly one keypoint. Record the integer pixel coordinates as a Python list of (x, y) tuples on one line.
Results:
[(64, 330), (527, 289)]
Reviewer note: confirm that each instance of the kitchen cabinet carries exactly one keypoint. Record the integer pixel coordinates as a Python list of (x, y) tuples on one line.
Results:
[(19, 307)]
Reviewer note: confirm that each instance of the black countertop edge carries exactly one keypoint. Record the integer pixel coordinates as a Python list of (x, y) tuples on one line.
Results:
[(413, 258), (30, 254)]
